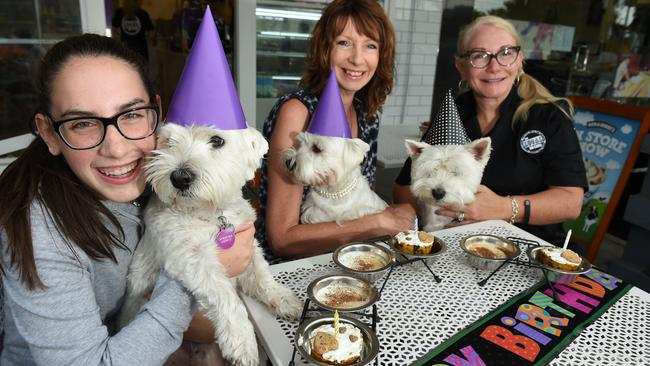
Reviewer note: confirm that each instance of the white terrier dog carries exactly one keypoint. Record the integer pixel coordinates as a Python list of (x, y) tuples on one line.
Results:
[(197, 174), (445, 176), (330, 166)]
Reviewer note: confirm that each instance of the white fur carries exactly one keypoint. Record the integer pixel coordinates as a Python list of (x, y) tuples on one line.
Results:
[(453, 171), (330, 164), (181, 225)]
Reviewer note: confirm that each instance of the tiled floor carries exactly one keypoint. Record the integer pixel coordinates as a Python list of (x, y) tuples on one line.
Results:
[(611, 248)]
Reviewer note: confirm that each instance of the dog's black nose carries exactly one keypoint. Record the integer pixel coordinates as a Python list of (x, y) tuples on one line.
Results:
[(438, 193), (182, 178), (291, 164)]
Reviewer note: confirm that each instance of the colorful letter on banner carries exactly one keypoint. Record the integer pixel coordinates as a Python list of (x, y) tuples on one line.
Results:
[(573, 298), (526, 330), (544, 302), (588, 286), (471, 358), (610, 282), (540, 319), (517, 344)]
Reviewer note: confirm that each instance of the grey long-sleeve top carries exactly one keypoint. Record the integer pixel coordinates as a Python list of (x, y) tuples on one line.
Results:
[(71, 322)]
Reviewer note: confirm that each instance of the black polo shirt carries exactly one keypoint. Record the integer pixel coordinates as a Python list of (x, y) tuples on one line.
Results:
[(133, 30), (526, 158)]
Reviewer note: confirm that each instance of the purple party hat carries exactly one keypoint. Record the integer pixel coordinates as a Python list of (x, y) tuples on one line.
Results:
[(329, 118), (447, 128), (206, 94)]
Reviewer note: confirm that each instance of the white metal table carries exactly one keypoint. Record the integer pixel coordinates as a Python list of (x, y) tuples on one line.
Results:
[(416, 313)]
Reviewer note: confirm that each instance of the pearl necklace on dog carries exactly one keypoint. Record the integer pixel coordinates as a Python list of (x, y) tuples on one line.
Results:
[(340, 194)]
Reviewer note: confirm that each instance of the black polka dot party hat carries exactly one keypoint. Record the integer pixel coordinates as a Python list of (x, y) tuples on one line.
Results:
[(446, 128)]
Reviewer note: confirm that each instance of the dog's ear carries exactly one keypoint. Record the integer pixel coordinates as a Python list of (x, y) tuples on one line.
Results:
[(164, 132), (480, 149), (259, 143), (302, 139), (414, 148), (357, 149), (361, 146), (259, 149)]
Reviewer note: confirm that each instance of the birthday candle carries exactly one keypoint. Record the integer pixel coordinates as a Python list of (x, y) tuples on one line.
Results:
[(336, 322)]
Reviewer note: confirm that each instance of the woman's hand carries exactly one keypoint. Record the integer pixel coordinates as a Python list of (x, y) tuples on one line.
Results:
[(487, 205), (236, 258), (553, 205), (399, 217)]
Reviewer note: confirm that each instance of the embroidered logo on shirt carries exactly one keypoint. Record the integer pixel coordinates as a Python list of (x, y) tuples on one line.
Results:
[(131, 25), (533, 141)]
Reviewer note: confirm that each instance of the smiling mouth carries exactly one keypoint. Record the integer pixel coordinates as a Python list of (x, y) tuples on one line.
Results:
[(493, 80), (119, 172), (354, 74)]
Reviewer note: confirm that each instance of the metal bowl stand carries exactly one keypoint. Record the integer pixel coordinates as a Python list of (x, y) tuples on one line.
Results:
[(311, 312), (527, 263), (403, 260)]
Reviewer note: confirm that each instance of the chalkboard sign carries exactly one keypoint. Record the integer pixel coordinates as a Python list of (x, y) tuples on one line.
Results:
[(610, 136)]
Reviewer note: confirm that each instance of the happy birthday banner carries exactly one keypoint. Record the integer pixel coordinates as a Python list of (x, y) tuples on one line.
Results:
[(531, 328)]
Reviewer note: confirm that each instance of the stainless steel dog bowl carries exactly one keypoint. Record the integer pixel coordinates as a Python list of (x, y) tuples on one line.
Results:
[(508, 248), (370, 341), (364, 260), (342, 293), (557, 275), (439, 247)]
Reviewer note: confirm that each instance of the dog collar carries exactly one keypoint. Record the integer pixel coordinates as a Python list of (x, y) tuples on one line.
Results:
[(340, 194)]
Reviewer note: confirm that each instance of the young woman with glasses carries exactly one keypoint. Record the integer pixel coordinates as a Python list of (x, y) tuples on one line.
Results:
[(70, 218), (535, 177)]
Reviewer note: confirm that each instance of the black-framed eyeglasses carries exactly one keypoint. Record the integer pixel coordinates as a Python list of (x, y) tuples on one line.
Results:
[(82, 133), (480, 59)]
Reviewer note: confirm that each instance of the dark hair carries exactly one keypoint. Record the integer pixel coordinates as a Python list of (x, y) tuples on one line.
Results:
[(40, 176), (370, 20)]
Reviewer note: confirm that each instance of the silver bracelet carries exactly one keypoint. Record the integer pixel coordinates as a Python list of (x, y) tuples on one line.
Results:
[(515, 209)]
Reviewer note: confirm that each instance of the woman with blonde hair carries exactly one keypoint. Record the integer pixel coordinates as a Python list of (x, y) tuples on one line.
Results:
[(535, 177), (355, 39)]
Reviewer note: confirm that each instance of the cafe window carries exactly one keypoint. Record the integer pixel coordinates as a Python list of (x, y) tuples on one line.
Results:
[(283, 30), (598, 48), (175, 25), (27, 29), (283, 33)]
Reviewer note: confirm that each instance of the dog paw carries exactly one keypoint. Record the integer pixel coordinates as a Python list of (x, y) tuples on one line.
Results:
[(247, 355), (285, 303), (239, 345)]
